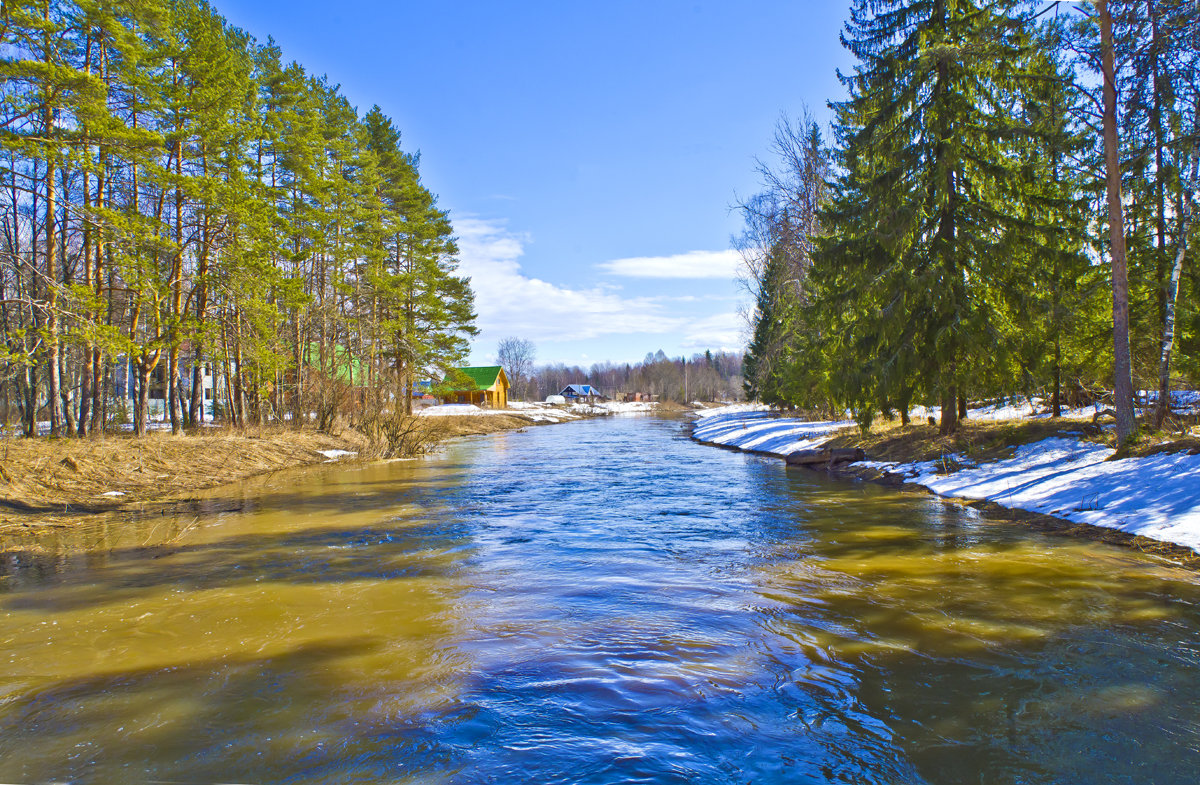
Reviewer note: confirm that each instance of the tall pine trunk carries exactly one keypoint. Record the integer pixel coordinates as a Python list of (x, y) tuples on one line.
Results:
[(141, 411), (176, 340), (54, 381), (1122, 361)]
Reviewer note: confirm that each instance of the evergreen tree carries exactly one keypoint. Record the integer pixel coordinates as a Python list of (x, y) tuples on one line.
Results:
[(1050, 284), (924, 192)]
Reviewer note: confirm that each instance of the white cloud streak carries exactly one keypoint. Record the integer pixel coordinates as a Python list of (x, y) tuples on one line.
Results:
[(512, 303), (693, 264), (724, 331)]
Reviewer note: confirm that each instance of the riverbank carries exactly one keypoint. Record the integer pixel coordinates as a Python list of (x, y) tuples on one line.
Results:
[(1058, 474), (48, 482)]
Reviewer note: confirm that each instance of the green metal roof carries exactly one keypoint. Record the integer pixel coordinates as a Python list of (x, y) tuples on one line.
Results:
[(484, 376)]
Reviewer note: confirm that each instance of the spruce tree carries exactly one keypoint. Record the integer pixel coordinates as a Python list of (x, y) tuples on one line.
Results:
[(924, 188)]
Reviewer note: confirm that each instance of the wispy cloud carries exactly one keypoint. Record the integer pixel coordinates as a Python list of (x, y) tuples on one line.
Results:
[(693, 264), (723, 331), (510, 302)]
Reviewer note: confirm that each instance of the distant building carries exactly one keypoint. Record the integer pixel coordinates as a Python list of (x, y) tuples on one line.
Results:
[(422, 395), (581, 393), (637, 397), (485, 386)]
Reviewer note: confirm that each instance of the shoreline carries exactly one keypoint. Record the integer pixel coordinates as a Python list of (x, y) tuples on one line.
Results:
[(867, 471), (50, 484)]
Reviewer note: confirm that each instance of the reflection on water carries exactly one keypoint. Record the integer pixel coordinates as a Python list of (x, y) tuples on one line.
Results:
[(603, 602)]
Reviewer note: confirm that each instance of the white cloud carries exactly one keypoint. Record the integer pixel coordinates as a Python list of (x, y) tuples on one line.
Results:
[(512, 303), (722, 331), (693, 264)]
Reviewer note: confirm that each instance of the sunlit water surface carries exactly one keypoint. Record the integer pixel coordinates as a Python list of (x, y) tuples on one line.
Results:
[(597, 602)]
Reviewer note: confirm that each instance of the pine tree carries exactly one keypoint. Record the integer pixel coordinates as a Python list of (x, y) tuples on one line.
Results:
[(924, 190), (766, 357)]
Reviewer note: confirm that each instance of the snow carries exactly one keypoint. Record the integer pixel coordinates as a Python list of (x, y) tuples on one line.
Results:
[(733, 408), (758, 429), (535, 411), (113, 493), (456, 410), (615, 407), (1157, 496), (333, 455)]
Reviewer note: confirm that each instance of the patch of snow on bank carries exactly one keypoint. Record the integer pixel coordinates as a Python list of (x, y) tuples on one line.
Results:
[(733, 408), (1009, 409), (615, 407), (1181, 401), (333, 455), (549, 414), (454, 410), (531, 411), (751, 429), (1157, 496)]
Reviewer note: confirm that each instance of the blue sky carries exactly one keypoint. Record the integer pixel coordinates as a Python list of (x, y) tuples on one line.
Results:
[(589, 153)]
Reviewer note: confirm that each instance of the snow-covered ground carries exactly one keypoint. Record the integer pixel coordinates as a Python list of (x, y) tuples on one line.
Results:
[(531, 412), (733, 408), (1156, 496), (749, 428), (539, 412)]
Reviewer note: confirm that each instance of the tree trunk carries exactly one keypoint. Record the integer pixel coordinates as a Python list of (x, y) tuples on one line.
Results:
[(1122, 362), (99, 381), (66, 396), (1168, 339), (52, 368), (141, 411), (949, 422), (172, 381), (1056, 398), (196, 403), (27, 389)]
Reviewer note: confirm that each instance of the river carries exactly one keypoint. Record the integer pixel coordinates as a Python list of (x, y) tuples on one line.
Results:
[(603, 601)]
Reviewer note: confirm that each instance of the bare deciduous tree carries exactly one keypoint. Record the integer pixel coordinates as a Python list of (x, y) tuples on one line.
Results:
[(516, 355)]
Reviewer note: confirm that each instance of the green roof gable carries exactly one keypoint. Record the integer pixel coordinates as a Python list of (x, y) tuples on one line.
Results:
[(483, 376)]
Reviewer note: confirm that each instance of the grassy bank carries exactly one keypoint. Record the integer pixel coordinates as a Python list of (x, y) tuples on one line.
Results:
[(58, 482), (984, 441)]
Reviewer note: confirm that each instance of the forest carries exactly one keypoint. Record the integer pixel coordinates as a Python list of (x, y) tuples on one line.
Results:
[(188, 218), (1004, 205)]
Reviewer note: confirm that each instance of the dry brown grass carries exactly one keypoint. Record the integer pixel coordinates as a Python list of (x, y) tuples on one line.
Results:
[(979, 440), (54, 482), (45, 476), (477, 425)]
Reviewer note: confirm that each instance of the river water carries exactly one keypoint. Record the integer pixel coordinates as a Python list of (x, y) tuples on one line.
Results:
[(597, 602)]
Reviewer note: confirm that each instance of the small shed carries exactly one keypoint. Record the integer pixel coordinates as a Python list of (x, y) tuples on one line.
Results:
[(485, 386), (581, 393)]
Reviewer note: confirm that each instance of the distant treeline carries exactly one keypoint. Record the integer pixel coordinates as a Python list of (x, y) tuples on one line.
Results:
[(180, 205), (1005, 206), (706, 377)]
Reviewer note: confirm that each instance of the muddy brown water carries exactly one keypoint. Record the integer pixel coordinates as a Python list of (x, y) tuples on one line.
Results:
[(597, 602)]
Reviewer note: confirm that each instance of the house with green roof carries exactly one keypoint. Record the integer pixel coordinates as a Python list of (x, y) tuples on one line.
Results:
[(485, 386)]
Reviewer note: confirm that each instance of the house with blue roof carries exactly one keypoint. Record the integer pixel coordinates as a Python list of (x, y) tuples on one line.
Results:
[(581, 393)]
